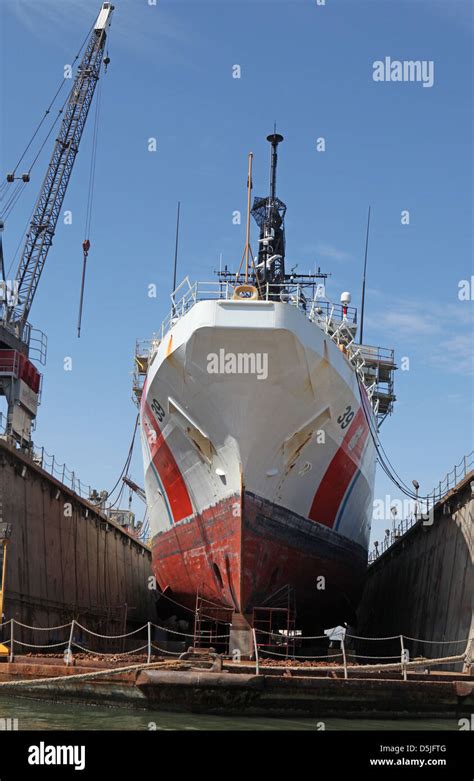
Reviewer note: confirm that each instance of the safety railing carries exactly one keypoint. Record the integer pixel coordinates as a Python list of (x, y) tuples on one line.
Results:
[(453, 477), (54, 467), (61, 471), (397, 652), (391, 537), (423, 510), (50, 464), (316, 308), (10, 363), (338, 321)]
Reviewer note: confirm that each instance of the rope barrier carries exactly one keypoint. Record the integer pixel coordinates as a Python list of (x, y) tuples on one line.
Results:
[(162, 650), (168, 663), (187, 634), (364, 656), (291, 638), (210, 638), (99, 653), (286, 656), (88, 676), (39, 628), (111, 637), (33, 645), (358, 637), (436, 642), (395, 666)]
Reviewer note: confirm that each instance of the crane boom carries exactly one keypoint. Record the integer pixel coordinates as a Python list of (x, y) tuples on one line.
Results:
[(131, 484), (42, 227), (20, 380)]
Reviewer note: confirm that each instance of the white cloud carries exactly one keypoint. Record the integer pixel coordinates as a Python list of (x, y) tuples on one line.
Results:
[(141, 28), (454, 354), (443, 332), (408, 323), (328, 251)]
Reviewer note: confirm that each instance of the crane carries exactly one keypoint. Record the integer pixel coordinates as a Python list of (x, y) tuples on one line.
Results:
[(19, 378), (134, 487)]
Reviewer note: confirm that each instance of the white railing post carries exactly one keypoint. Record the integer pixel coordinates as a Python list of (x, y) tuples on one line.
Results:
[(344, 660), (257, 663), (12, 621), (69, 645), (149, 643), (403, 658)]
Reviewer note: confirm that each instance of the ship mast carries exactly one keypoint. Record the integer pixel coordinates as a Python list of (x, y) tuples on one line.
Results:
[(267, 272), (269, 214)]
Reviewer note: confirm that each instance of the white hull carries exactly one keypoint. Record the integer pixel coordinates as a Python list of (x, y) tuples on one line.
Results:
[(284, 438)]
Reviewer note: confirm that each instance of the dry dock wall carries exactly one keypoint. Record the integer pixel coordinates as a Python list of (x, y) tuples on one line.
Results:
[(65, 559), (423, 585)]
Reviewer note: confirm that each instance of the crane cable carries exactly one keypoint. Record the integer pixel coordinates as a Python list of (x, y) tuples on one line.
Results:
[(13, 197), (127, 462), (20, 186), (13, 200), (22, 237), (2, 262), (90, 196), (383, 459), (47, 111)]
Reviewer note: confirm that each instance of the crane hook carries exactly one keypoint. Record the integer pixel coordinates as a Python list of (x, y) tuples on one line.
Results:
[(86, 245)]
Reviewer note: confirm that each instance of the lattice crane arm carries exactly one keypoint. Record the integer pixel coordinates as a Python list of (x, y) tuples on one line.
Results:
[(42, 227)]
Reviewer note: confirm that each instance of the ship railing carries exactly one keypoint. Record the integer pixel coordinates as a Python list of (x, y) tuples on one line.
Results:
[(316, 307), (422, 509), (374, 365)]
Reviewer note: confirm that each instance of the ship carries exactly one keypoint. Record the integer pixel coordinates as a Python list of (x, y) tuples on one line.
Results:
[(258, 409)]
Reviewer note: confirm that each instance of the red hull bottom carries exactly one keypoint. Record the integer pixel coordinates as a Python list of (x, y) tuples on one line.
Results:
[(242, 551)]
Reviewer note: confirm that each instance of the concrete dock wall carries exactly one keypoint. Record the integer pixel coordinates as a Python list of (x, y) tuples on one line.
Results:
[(65, 559), (423, 585)]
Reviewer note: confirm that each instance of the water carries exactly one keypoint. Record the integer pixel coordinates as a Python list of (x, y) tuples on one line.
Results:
[(39, 715)]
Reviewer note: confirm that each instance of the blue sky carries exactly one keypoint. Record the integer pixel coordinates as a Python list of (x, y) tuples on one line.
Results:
[(395, 146)]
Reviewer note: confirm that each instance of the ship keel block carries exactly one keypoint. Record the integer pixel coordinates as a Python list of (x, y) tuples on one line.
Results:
[(240, 636)]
